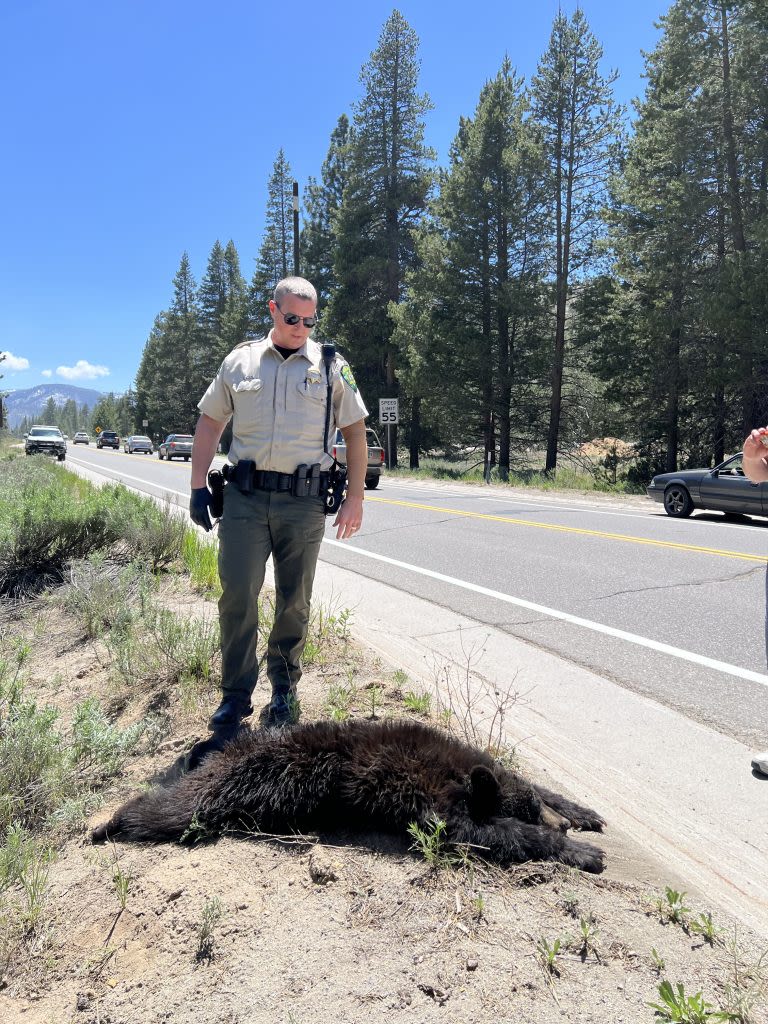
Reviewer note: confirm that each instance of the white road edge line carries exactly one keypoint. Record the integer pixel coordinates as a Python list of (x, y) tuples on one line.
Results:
[(597, 627)]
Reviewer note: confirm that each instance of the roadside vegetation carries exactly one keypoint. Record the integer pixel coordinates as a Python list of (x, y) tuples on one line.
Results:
[(109, 665), (608, 465)]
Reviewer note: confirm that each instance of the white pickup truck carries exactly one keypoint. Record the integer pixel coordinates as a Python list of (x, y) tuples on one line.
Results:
[(375, 456)]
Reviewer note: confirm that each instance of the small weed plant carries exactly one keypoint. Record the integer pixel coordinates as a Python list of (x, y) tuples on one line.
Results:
[(658, 962), (588, 936), (704, 926), (547, 953), (121, 880), (374, 693), (679, 1008), (418, 702), (195, 832), (339, 701), (431, 843), (212, 915), (671, 907)]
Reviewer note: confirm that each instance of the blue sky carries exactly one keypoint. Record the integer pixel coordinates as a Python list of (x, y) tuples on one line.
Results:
[(133, 131)]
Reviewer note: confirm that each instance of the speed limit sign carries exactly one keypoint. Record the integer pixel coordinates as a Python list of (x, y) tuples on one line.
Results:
[(388, 411)]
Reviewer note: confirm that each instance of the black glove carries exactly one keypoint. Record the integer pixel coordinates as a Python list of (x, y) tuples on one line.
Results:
[(199, 503)]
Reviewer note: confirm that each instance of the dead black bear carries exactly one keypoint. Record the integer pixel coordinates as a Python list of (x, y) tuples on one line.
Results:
[(364, 775)]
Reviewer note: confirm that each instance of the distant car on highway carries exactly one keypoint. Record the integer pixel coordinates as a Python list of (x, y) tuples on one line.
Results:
[(722, 489), (176, 446), (46, 440), (138, 443), (375, 456), (81, 438), (108, 439)]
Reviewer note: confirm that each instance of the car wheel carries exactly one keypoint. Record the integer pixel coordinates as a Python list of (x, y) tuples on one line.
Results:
[(677, 501), (372, 482), (160, 456), (61, 458), (186, 458)]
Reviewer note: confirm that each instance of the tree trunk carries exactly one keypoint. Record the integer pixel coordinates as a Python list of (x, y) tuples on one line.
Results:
[(502, 326), (563, 261), (672, 409), (415, 431), (718, 397), (487, 368)]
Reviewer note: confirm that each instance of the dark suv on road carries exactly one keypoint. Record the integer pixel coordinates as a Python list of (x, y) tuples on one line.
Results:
[(108, 439), (43, 440)]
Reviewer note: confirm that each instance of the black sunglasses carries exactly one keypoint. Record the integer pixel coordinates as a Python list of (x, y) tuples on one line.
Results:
[(293, 318)]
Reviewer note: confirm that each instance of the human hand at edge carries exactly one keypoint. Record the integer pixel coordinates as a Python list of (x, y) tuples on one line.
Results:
[(349, 518), (199, 504)]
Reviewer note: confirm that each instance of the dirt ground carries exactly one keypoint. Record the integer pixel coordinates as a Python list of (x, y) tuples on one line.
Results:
[(337, 928)]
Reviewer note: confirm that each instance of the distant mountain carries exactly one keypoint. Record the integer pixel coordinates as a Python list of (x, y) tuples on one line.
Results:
[(31, 401)]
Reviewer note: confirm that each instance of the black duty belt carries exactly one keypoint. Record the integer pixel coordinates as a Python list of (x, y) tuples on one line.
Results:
[(307, 481)]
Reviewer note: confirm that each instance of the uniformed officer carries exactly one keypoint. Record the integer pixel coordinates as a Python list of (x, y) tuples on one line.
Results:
[(275, 392)]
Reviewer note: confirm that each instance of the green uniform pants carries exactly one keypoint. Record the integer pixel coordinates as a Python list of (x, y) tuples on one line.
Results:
[(253, 527)]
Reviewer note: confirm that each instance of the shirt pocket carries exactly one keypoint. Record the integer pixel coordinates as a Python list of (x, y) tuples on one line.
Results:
[(307, 402), (249, 397)]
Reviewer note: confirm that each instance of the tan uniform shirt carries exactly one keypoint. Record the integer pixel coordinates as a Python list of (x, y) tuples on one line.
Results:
[(278, 405)]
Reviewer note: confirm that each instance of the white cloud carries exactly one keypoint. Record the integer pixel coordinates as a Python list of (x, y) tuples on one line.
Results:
[(46, 373), (12, 362), (82, 370)]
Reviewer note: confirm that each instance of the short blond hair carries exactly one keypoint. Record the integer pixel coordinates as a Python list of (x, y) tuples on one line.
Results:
[(296, 286)]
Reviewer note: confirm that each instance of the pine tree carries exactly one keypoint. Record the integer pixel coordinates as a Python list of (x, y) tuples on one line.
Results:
[(169, 380), (105, 413), (50, 413), (477, 294), (322, 202), (275, 259), (581, 126), (212, 296), (385, 195)]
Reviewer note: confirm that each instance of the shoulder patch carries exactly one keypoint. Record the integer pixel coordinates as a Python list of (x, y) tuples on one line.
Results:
[(348, 376)]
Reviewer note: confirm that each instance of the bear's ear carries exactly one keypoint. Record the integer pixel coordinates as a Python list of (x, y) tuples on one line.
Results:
[(484, 792)]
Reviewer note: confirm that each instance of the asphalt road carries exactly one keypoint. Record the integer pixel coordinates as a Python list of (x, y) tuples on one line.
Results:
[(670, 609)]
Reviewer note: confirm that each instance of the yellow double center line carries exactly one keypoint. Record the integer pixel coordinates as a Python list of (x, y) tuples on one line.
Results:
[(574, 529)]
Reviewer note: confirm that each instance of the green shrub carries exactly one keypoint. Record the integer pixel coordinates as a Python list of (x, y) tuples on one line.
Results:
[(201, 559), (41, 770), (49, 516)]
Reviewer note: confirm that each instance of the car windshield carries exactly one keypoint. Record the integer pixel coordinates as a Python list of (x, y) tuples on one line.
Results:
[(45, 432), (181, 437), (140, 437)]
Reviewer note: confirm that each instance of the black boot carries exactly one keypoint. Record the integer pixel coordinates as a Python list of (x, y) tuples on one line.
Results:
[(284, 707), (214, 743), (230, 712)]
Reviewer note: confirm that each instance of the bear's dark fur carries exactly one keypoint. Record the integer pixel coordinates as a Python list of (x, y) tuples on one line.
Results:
[(363, 775)]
